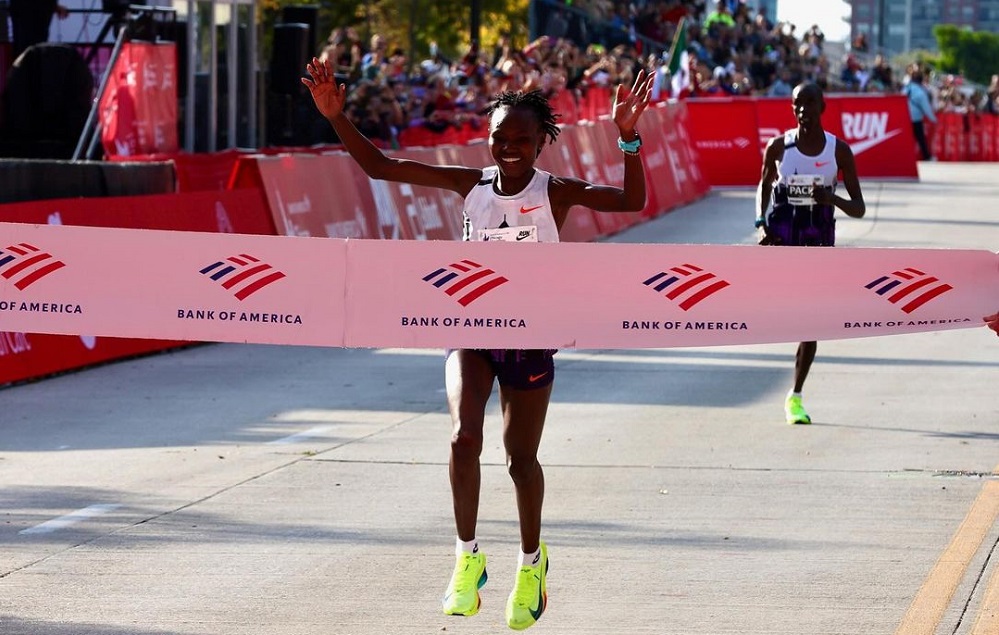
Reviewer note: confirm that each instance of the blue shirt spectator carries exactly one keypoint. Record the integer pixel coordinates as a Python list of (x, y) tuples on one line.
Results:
[(919, 99)]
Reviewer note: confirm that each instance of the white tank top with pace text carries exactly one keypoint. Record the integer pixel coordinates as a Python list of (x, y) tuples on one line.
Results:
[(797, 172), (485, 208)]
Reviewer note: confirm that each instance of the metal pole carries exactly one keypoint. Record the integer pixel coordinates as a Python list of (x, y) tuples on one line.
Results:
[(907, 42), (476, 22), (192, 64), (413, 13), (213, 81), (91, 124), (232, 62), (251, 84), (882, 22)]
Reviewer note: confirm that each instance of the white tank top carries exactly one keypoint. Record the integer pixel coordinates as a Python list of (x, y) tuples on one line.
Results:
[(485, 208), (797, 172)]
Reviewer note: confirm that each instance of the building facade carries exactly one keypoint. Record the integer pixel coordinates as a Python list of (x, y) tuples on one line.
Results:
[(897, 26)]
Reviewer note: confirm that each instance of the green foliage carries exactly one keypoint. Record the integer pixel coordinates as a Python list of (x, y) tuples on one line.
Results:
[(920, 56), (407, 24), (969, 53)]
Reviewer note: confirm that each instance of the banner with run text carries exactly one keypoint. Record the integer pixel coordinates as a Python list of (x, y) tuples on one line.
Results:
[(429, 294)]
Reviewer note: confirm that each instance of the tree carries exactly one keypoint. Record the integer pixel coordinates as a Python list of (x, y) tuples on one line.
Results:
[(408, 24), (966, 52)]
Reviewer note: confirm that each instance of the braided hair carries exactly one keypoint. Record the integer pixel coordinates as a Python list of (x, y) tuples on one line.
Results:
[(535, 102)]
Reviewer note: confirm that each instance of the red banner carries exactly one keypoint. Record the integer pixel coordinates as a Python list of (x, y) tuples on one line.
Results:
[(671, 164), (597, 164), (695, 181), (329, 196), (138, 111), (196, 172), (26, 355), (774, 116), (877, 128), (581, 224), (233, 211), (725, 134), (879, 131), (431, 213)]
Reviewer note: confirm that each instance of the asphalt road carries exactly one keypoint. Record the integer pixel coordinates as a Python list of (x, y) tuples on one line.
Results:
[(238, 489)]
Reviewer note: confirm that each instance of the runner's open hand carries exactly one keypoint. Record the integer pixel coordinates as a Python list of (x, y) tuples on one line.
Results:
[(329, 97), (630, 104)]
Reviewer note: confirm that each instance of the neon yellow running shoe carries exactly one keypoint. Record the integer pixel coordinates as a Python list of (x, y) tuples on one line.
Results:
[(462, 594), (794, 412), (530, 594)]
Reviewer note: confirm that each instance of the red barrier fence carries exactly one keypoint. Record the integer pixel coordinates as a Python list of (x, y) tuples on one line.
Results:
[(324, 193), (26, 355), (730, 134), (965, 137), (328, 195), (876, 126)]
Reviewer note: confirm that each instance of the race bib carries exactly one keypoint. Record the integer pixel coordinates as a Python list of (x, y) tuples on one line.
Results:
[(521, 234), (799, 188)]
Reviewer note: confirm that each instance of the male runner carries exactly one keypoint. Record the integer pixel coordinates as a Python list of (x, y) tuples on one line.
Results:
[(800, 170)]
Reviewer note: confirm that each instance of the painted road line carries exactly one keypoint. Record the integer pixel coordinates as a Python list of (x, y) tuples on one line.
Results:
[(311, 433), (933, 598), (987, 622), (70, 519)]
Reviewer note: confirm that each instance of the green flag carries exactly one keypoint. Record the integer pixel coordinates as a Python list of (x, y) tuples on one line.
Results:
[(679, 59)]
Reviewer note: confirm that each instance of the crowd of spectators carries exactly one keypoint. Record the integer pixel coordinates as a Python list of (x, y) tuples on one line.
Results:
[(734, 49), (951, 93)]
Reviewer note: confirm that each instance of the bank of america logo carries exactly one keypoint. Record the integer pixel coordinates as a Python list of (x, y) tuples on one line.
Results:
[(909, 287), (466, 281), (25, 264), (243, 275), (688, 284)]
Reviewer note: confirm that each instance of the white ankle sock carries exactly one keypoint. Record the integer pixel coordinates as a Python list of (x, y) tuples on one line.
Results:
[(791, 393), (460, 546), (529, 559)]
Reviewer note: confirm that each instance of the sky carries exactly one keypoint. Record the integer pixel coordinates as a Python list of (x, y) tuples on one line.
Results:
[(827, 14)]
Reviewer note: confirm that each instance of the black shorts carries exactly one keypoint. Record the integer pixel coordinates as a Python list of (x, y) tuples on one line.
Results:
[(520, 369)]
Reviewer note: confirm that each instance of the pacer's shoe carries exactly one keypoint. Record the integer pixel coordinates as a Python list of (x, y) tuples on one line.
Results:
[(794, 412)]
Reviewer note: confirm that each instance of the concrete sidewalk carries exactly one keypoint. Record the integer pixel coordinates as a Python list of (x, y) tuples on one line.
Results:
[(229, 489)]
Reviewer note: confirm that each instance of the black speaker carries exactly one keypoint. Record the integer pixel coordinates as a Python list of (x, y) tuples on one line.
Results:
[(118, 8), (114, 6), (47, 100), (304, 14), (289, 55)]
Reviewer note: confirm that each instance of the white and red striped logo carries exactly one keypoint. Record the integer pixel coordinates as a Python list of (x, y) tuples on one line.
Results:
[(686, 284), (466, 280), (908, 288), (242, 275), (24, 264)]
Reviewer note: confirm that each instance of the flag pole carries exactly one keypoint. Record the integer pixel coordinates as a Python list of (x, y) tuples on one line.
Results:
[(676, 39)]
